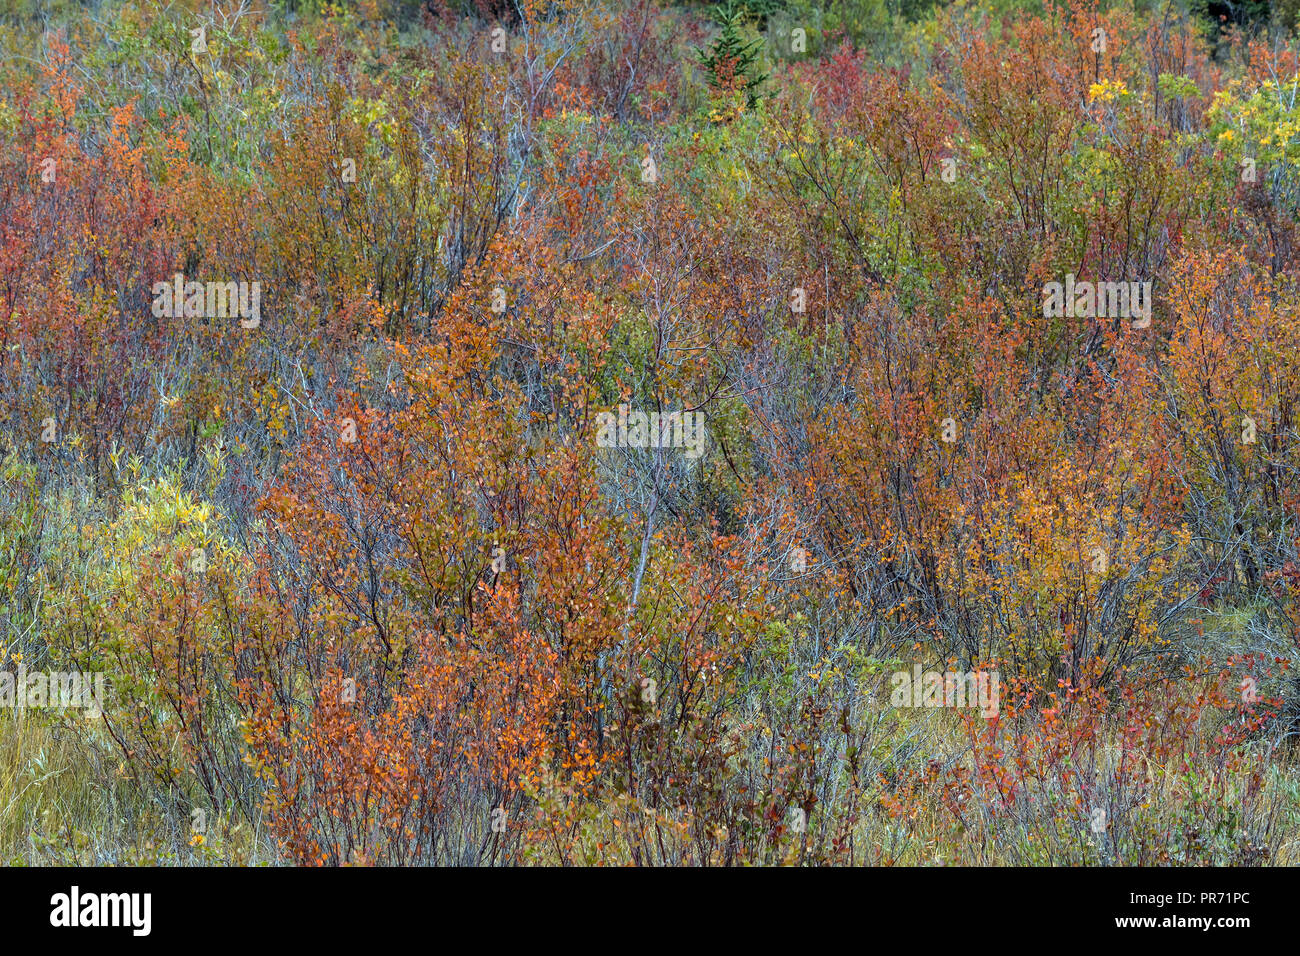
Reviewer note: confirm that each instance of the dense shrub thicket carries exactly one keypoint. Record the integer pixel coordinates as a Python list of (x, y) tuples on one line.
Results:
[(314, 318)]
